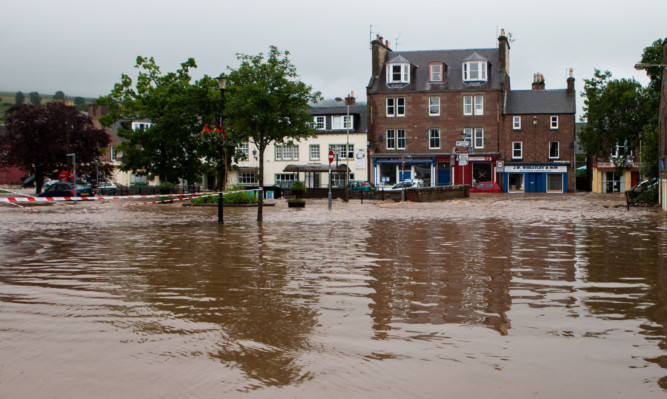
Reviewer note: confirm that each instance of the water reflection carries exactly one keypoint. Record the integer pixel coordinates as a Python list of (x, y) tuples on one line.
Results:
[(241, 308)]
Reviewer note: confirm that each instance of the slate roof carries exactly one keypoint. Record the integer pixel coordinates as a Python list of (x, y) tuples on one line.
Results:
[(453, 60), (360, 110), (539, 102)]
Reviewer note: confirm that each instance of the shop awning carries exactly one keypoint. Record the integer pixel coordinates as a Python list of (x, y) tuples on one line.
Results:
[(315, 167)]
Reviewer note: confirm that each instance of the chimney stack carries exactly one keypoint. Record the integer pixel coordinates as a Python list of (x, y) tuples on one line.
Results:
[(570, 83), (379, 50), (538, 81), (504, 59)]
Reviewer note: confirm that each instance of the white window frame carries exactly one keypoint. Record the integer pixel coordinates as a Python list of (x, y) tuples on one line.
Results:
[(435, 71), (553, 122), (433, 138), (478, 138), (478, 102), (283, 177), (342, 122), (286, 152), (516, 148), (476, 74), (395, 107), (142, 126), (314, 152), (467, 135), (557, 147), (390, 139), (319, 123), (516, 123), (243, 148), (434, 106), (467, 105), (339, 149), (402, 70), (401, 139), (247, 178)]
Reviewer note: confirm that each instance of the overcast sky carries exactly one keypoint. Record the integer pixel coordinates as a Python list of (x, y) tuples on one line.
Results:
[(82, 46)]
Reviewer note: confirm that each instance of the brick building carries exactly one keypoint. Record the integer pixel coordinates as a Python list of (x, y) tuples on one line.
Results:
[(446, 117)]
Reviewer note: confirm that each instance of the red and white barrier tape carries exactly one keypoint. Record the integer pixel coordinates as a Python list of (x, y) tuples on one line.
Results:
[(51, 199)]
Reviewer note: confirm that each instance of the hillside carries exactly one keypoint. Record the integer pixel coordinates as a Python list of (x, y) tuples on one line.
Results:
[(8, 99)]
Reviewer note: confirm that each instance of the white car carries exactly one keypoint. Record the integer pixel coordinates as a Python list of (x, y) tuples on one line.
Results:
[(106, 184), (405, 183)]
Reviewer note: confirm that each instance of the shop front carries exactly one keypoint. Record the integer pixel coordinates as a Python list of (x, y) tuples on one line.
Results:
[(535, 178), (607, 178), (471, 169), (389, 171)]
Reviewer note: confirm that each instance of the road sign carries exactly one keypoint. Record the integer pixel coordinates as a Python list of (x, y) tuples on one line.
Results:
[(464, 143), (331, 156), (462, 150), (463, 157)]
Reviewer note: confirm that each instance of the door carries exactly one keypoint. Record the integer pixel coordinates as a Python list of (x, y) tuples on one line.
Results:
[(530, 182), (443, 174)]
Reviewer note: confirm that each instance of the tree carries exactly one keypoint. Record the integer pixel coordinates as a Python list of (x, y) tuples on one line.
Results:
[(39, 139), (616, 112), (80, 103), (35, 98), (653, 55), (173, 147), (19, 99), (60, 95), (266, 103)]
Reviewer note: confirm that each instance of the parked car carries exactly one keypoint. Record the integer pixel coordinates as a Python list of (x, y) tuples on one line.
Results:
[(107, 188), (67, 189), (361, 185), (106, 184), (407, 184), (485, 187)]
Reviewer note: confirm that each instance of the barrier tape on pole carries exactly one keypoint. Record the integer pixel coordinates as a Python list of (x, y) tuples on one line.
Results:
[(13, 200)]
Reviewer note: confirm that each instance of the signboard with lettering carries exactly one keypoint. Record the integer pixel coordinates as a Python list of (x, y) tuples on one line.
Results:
[(463, 143), (462, 150), (535, 168)]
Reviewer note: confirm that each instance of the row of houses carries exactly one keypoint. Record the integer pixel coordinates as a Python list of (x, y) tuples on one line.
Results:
[(442, 116)]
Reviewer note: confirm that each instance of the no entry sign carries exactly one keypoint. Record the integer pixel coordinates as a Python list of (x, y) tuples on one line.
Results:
[(331, 156)]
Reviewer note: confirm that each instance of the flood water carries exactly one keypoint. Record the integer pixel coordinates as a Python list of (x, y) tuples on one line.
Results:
[(160, 301)]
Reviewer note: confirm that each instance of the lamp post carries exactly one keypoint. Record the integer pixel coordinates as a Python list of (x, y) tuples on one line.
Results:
[(73, 169), (222, 83), (349, 100)]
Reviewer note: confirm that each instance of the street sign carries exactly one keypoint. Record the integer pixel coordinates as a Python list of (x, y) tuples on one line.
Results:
[(500, 164), (463, 157), (463, 162), (331, 156), (464, 143), (462, 150)]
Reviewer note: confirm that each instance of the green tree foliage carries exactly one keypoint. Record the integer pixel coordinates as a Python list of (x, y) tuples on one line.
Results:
[(39, 139), (267, 103), (19, 99), (173, 147), (653, 55), (617, 111), (35, 98), (80, 103), (59, 95)]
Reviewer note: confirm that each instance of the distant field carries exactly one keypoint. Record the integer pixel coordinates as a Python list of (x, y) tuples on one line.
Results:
[(8, 99)]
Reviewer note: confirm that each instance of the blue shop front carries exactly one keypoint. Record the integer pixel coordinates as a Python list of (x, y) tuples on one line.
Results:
[(535, 178)]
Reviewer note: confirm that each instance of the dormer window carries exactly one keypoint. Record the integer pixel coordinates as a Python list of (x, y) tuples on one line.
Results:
[(474, 71), (398, 73), (474, 68), (435, 72)]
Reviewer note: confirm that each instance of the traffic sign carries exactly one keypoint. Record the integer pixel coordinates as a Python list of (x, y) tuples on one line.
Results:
[(462, 150), (331, 156)]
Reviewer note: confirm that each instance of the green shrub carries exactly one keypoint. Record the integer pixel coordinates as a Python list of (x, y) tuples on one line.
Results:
[(298, 188), (243, 197)]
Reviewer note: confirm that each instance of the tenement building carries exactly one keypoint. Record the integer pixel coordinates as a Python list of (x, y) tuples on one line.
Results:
[(449, 117)]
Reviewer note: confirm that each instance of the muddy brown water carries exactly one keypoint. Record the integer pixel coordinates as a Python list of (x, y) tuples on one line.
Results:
[(495, 296)]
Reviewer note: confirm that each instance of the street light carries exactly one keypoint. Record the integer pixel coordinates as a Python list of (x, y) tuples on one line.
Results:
[(641, 66), (73, 168), (349, 100), (222, 83)]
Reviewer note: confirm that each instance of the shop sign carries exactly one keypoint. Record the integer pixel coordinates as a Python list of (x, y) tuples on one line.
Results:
[(611, 165), (479, 158), (536, 168)]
